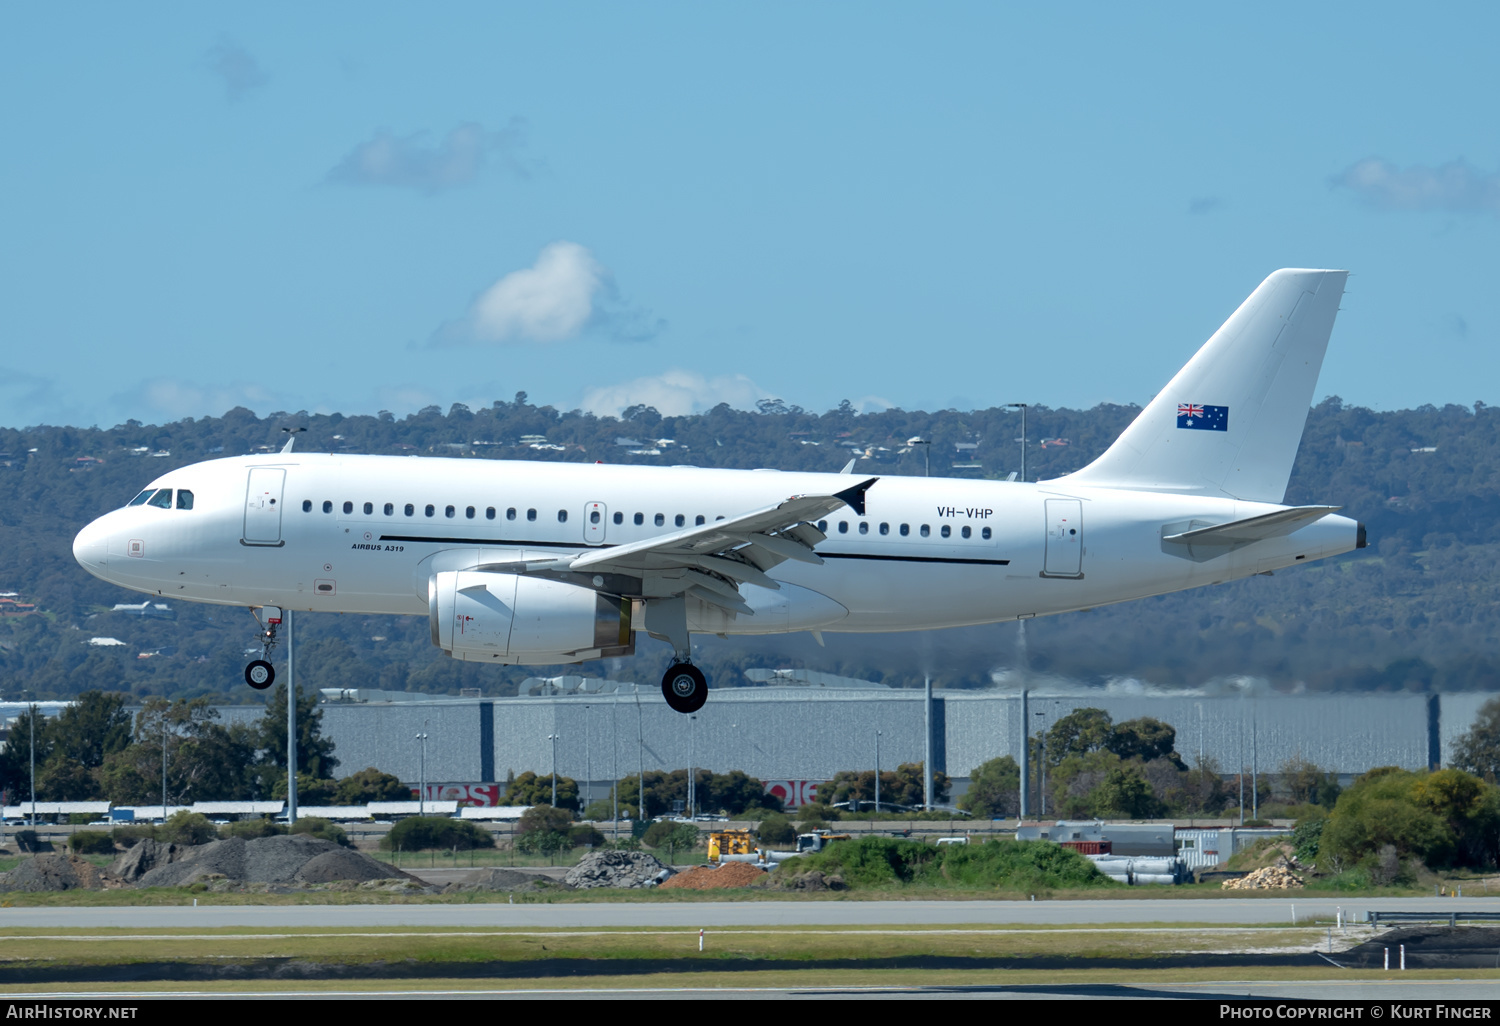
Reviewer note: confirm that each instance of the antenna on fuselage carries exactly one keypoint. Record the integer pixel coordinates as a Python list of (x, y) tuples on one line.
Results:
[(291, 438)]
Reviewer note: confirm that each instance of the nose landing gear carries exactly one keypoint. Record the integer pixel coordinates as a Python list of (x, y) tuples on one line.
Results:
[(260, 674)]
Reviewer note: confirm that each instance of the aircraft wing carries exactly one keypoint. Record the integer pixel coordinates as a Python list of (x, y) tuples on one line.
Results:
[(712, 560)]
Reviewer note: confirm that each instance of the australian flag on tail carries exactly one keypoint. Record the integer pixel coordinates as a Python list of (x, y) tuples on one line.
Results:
[(1202, 418)]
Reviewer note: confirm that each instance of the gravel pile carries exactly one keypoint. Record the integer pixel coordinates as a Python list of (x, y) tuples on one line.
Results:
[(501, 880), (285, 859), (617, 869), (144, 857), (706, 878), (56, 872), (1272, 878)]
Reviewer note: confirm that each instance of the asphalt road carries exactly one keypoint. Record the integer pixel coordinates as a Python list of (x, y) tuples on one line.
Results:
[(706, 915)]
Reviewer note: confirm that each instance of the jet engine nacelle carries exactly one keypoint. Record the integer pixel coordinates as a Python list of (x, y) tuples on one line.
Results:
[(513, 618)]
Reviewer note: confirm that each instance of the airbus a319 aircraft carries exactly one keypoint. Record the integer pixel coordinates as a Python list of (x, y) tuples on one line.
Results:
[(540, 564)]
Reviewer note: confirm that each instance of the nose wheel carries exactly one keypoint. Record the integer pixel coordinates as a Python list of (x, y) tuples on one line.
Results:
[(260, 674), (684, 687)]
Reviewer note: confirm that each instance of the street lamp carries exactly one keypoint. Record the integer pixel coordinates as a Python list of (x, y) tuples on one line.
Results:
[(877, 773), (917, 440), (692, 758), (588, 767), (1041, 795), (422, 780), (553, 738), (1022, 439), (31, 718)]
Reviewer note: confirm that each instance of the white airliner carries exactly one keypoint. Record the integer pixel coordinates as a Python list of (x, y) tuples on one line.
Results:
[(546, 563)]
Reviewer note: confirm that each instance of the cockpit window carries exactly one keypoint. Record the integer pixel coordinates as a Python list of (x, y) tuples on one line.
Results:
[(163, 499), (184, 499), (140, 500)]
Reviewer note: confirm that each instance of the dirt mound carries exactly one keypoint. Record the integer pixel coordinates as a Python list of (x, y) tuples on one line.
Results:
[(145, 856), (283, 859), (500, 880), (813, 880), (617, 869), (1271, 878), (344, 864), (56, 872), (706, 878)]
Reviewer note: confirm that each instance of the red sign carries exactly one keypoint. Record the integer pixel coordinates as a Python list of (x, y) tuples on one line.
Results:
[(794, 793), (483, 795)]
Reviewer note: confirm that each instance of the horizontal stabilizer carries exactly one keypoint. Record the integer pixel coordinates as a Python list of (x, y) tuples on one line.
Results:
[(1205, 542)]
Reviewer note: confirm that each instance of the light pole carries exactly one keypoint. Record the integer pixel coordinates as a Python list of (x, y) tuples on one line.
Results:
[(291, 726), (1041, 789), (588, 766), (164, 710), (917, 440), (422, 778), (927, 743), (877, 773), (614, 748), (640, 755), (1022, 439), (692, 758), (553, 738), (31, 719)]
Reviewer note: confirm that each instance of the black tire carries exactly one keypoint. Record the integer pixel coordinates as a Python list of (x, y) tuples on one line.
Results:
[(685, 688), (260, 675)]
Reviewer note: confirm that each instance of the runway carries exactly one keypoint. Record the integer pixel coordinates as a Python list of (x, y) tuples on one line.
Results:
[(706, 915)]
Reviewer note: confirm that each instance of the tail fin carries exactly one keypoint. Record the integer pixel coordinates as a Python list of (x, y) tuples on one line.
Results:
[(1230, 422)]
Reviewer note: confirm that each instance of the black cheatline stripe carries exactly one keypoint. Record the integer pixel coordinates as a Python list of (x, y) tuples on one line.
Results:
[(574, 545), (914, 559), (506, 542)]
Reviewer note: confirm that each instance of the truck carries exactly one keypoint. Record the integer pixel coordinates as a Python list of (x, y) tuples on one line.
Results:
[(722, 844)]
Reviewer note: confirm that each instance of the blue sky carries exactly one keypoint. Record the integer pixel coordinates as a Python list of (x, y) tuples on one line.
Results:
[(354, 207)]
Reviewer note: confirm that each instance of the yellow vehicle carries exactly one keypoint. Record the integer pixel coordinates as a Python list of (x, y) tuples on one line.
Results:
[(730, 842)]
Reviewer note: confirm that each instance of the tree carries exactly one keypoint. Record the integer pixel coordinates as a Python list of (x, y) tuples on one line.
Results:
[(1477, 750), (530, 789), (418, 833), (15, 757), (1144, 739), (1080, 732), (902, 786), (314, 751), (1125, 792), (205, 760), (1305, 783), (1447, 818), (370, 785), (994, 789), (776, 829)]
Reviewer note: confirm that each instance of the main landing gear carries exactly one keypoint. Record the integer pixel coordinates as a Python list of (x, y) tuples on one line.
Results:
[(684, 687), (260, 674)]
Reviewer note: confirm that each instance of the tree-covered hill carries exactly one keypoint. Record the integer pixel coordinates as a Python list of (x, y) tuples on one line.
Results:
[(1416, 610)]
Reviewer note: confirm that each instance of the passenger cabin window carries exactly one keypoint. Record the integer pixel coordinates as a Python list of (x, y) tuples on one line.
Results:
[(162, 499), (390, 508), (619, 518), (843, 529), (562, 516), (926, 531), (984, 532), (947, 531), (680, 520), (327, 506), (510, 514), (369, 508), (348, 506), (640, 518), (531, 514), (307, 505), (905, 530), (864, 528), (594, 516), (885, 528), (469, 513), (489, 513), (184, 499), (967, 532), (698, 520), (429, 509), (823, 526), (449, 511), (661, 519), (410, 510)]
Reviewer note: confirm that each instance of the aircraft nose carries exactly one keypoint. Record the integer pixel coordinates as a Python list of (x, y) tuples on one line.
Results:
[(91, 547)]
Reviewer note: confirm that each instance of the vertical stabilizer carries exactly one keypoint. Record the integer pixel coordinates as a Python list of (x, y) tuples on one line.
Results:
[(1230, 422)]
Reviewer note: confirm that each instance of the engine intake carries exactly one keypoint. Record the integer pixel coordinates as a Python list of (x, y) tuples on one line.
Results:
[(513, 618)]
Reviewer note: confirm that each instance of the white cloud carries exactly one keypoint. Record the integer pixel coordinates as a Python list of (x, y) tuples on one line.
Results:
[(1455, 186), (411, 162), (676, 393), (565, 293), (166, 398), (236, 68)]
